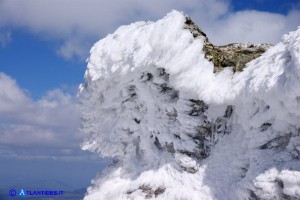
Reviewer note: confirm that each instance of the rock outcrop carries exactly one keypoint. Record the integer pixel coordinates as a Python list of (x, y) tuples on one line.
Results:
[(235, 55)]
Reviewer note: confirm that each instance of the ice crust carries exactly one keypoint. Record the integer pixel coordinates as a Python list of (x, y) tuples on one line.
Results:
[(140, 106)]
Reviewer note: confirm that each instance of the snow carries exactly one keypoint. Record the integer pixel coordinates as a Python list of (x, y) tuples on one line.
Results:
[(176, 130)]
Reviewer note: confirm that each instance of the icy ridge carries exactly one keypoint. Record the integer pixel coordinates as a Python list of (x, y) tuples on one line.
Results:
[(177, 130)]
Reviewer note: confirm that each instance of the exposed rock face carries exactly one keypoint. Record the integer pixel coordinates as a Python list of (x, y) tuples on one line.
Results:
[(235, 55)]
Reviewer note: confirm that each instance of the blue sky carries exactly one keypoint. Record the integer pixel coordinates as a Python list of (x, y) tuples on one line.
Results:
[(274, 6), (43, 49), (33, 62)]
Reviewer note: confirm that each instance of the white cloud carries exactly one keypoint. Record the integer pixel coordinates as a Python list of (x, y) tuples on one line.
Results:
[(46, 126), (250, 26), (12, 98), (81, 22), (73, 48), (26, 135)]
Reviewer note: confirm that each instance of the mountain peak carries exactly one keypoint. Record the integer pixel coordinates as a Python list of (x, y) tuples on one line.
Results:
[(177, 130)]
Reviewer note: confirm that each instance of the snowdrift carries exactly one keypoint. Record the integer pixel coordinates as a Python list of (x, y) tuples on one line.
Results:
[(177, 130)]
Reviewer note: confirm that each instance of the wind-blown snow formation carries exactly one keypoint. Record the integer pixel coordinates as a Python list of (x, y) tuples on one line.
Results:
[(177, 130)]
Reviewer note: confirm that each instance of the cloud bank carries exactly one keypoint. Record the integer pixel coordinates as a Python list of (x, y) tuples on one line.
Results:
[(43, 129), (79, 24)]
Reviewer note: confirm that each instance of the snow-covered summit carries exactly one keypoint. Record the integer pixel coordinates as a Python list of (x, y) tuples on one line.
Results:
[(177, 130)]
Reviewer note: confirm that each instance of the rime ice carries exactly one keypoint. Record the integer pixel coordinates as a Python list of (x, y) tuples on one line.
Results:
[(177, 130)]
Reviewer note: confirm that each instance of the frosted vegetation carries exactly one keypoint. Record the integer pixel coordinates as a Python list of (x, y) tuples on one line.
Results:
[(177, 130)]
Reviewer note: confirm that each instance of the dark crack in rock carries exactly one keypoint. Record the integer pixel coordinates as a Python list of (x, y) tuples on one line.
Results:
[(158, 144), (159, 191), (150, 192), (198, 107), (278, 142), (265, 126), (228, 112), (170, 147)]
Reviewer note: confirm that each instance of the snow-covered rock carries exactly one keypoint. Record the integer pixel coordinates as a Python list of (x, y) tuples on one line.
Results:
[(177, 130)]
